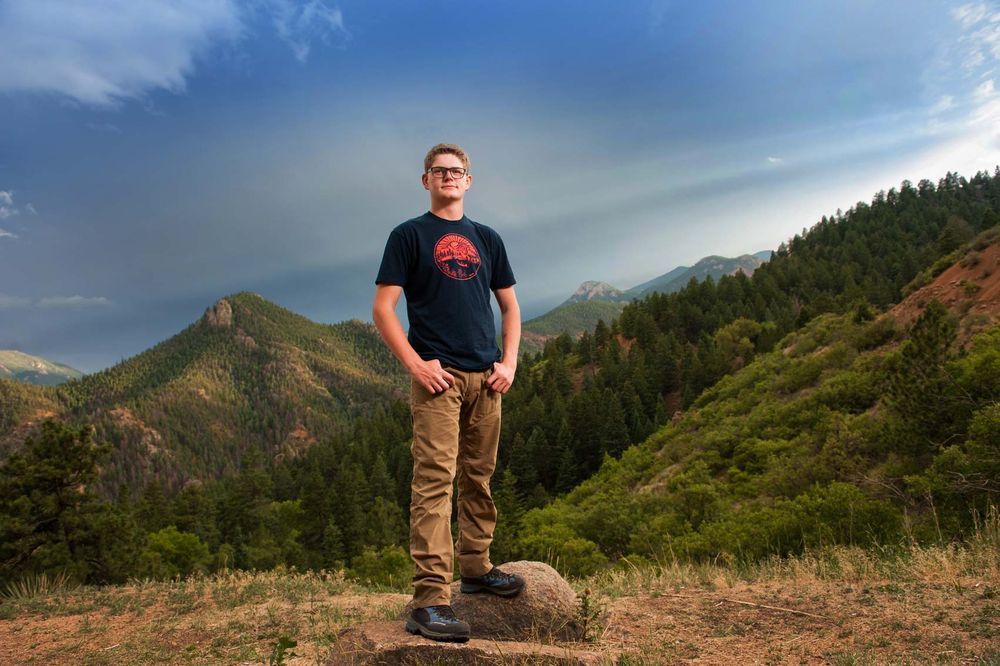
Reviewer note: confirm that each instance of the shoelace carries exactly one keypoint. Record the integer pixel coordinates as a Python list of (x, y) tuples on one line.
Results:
[(445, 612), (495, 575)]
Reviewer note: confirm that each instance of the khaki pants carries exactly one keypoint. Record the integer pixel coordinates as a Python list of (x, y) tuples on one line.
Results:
[(460, 424)]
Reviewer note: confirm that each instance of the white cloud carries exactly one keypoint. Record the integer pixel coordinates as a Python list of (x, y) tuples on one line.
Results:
[(300, 24), (4, 232), (72, 301), (944, 103), (100, 53), (974, 60), (969, 105), (8, 209), (775, 160), (7, 301), (970, 14), (103, 52)]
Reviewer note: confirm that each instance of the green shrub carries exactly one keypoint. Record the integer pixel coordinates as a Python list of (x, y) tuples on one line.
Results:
[(840, 513), (389, 567), (802, 373), (943, 263), (561, 548), (874, 334), (837, 513), (850, 391), (986, 238), (969, 288), (969, 260), (170, 552)]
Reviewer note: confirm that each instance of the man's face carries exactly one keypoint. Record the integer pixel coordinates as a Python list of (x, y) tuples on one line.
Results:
[(447, 187)]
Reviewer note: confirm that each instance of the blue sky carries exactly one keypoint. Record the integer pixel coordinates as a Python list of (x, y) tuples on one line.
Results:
[(155, 156)]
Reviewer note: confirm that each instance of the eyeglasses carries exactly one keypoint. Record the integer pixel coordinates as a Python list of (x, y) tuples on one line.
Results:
[(456, 172)]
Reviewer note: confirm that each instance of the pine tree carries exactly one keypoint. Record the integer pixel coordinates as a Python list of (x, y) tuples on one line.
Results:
[(153, 511), (522, 463), (927, 403), (568, 474), (510, 507), (333, 555), (50, 517)]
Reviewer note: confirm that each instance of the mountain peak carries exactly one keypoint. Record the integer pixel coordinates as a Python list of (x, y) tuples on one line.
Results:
[(219, 315), (592, 289), (18, 366)]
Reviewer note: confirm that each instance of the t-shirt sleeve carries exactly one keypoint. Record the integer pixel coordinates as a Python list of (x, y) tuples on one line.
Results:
[(502, 276), (396, 261)]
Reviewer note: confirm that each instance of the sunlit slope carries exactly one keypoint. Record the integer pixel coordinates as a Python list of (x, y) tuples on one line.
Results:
[(249, 373), (851, 431)]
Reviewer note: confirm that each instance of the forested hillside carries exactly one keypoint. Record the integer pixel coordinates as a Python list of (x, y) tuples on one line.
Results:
[(596, 301), (852, 431), (579, 400), (735, 417), (248, 375)]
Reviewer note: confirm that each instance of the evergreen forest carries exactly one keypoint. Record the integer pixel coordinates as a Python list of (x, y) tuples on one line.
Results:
[(735, 418)]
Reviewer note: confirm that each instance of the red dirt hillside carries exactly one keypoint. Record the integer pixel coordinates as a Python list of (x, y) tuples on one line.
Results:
[(970, 288)]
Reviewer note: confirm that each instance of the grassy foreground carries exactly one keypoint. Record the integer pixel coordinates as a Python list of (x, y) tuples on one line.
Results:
[(840, 605)]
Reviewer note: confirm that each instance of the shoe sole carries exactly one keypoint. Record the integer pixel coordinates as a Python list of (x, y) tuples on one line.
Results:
[(472, 588), (416, 629)]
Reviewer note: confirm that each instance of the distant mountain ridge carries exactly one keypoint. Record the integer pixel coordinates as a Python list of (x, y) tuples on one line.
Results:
[(18, 366), (712, 266), (594, 291), (594, 300)]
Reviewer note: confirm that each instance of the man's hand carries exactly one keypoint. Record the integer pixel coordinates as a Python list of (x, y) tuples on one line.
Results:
[(502, 377), (432, 376)]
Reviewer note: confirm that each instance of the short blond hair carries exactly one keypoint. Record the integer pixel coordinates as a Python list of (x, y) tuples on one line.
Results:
[(446, 149)]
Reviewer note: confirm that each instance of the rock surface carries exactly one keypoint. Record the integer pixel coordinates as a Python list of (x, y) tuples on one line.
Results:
[(517, 630), (545, 609), (388, 643), (219, 315)]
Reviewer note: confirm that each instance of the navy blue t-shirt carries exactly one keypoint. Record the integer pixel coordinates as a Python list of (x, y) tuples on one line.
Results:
[(447, 269)]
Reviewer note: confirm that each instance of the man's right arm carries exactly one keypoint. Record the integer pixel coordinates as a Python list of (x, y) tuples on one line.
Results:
[(429, 374)]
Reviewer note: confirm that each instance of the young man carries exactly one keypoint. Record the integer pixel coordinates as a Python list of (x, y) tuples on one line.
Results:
[(446, 264)]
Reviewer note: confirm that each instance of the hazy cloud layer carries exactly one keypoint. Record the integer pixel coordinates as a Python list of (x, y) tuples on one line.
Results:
[(673, 131), (7, 301), (8, 210), (300, 24), (49, 302), (103, 52)]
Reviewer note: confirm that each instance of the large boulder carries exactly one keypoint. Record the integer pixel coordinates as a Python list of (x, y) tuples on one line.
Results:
[(545, 610)]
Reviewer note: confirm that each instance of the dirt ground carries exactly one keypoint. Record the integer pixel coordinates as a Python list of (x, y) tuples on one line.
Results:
[(811, 624), (768, 622)]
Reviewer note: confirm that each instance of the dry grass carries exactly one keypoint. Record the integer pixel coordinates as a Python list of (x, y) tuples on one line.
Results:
[(234, 617), (841, 605)]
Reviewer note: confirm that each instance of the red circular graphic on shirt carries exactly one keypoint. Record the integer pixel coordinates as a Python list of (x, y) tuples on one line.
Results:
[(456, 257)]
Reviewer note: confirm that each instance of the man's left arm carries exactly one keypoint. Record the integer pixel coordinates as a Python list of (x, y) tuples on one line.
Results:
[(510, 317)]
